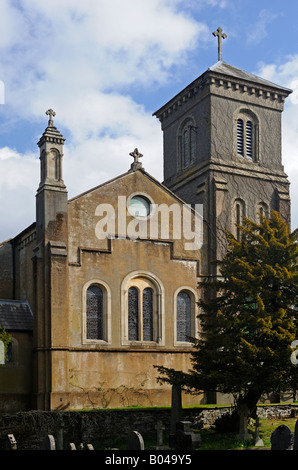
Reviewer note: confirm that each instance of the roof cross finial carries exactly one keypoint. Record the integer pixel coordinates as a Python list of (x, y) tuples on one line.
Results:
[(50, 113), (220, 35), (136, 155)]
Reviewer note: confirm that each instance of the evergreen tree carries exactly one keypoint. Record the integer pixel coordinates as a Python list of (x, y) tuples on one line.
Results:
[(248, 318)]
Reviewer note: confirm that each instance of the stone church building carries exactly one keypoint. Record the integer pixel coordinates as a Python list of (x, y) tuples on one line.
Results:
[(103, 286)]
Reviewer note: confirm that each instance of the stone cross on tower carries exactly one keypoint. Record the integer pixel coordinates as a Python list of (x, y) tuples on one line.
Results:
[(136, 155), (50, 113), (220, 36)]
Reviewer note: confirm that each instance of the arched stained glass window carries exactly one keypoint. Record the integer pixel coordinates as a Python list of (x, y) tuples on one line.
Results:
[(183, 316), (148, 314), (94, 313), (133, 314)]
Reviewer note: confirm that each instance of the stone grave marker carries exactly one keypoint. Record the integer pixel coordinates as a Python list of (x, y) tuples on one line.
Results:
[(159, 430), (295, 447), (12, 443), (49, 443), (135, 441), (258, 441), (176, 410), (281, 438), (184, 438), (72, 446), (2, 353), (243, 434)]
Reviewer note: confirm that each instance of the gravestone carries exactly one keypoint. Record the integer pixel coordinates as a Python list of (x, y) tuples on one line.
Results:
[(2, 353), (243, 434), (49, 443), (295, 447), (281, 438), (176, 410), (258, 441), (159, 429), (184, 438), (12, 443), (135, 441), (72, 446)]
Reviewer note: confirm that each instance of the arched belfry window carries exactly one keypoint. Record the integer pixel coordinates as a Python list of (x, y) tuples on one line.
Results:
[(187, 143), (94, 313), (247, 135)]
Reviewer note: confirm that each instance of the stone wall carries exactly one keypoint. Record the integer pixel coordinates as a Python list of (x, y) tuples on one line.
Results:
[(31, 428)]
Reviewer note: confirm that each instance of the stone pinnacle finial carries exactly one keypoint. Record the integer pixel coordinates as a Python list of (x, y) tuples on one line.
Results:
[(136, 155), (50, 113), (220, 35)]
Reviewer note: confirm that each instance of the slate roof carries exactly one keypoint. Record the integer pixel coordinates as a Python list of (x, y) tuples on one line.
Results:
[(15, 315), (230, 70)]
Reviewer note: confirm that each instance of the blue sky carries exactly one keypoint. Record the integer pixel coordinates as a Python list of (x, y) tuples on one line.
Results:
[(106, 66)]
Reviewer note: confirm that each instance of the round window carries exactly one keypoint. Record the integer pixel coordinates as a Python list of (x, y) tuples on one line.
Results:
[(139, 206)]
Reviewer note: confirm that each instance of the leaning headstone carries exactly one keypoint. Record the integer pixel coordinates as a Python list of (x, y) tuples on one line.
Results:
[(135, 441), (184, 438), (12, 443), (281, 438), (89, 447), (49, 443), (72, 446)]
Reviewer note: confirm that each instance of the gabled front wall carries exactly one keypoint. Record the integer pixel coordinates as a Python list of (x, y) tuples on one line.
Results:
[(117, 371)]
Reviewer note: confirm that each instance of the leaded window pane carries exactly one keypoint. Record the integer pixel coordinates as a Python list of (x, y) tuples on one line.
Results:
[(183, 316), (94, 313), (147, 314), (133, 314)]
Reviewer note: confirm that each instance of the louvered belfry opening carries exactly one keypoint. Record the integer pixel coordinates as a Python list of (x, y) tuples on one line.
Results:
[(249, 139), (240, 137)]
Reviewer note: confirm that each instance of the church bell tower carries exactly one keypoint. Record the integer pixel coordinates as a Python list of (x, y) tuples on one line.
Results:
[(222, 149)]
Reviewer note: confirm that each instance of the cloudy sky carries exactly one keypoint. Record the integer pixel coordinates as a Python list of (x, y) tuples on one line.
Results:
[(106, 66)]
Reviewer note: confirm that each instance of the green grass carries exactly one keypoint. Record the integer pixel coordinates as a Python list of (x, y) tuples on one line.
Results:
[(210, 440)]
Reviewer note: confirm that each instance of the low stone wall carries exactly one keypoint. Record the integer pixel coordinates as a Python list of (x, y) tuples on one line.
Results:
[(30, 428)]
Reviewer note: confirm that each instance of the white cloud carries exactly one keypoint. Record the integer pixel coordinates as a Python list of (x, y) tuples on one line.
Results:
[(286, 74), (80, 58), (258, 31)]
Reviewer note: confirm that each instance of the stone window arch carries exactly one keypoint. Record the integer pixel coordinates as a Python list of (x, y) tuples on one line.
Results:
[(262, 211), (187, 143), (247, 135), (185, 316), (142, 309), (96, 312), (239, 211)]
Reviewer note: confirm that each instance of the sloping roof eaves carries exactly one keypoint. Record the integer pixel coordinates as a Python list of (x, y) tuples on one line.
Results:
[(15, 315)]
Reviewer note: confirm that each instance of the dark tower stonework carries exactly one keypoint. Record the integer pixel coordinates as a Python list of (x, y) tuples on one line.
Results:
[(222, 149)]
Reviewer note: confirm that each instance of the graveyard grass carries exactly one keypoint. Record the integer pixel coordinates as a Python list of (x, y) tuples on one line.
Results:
[(210, 440)]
